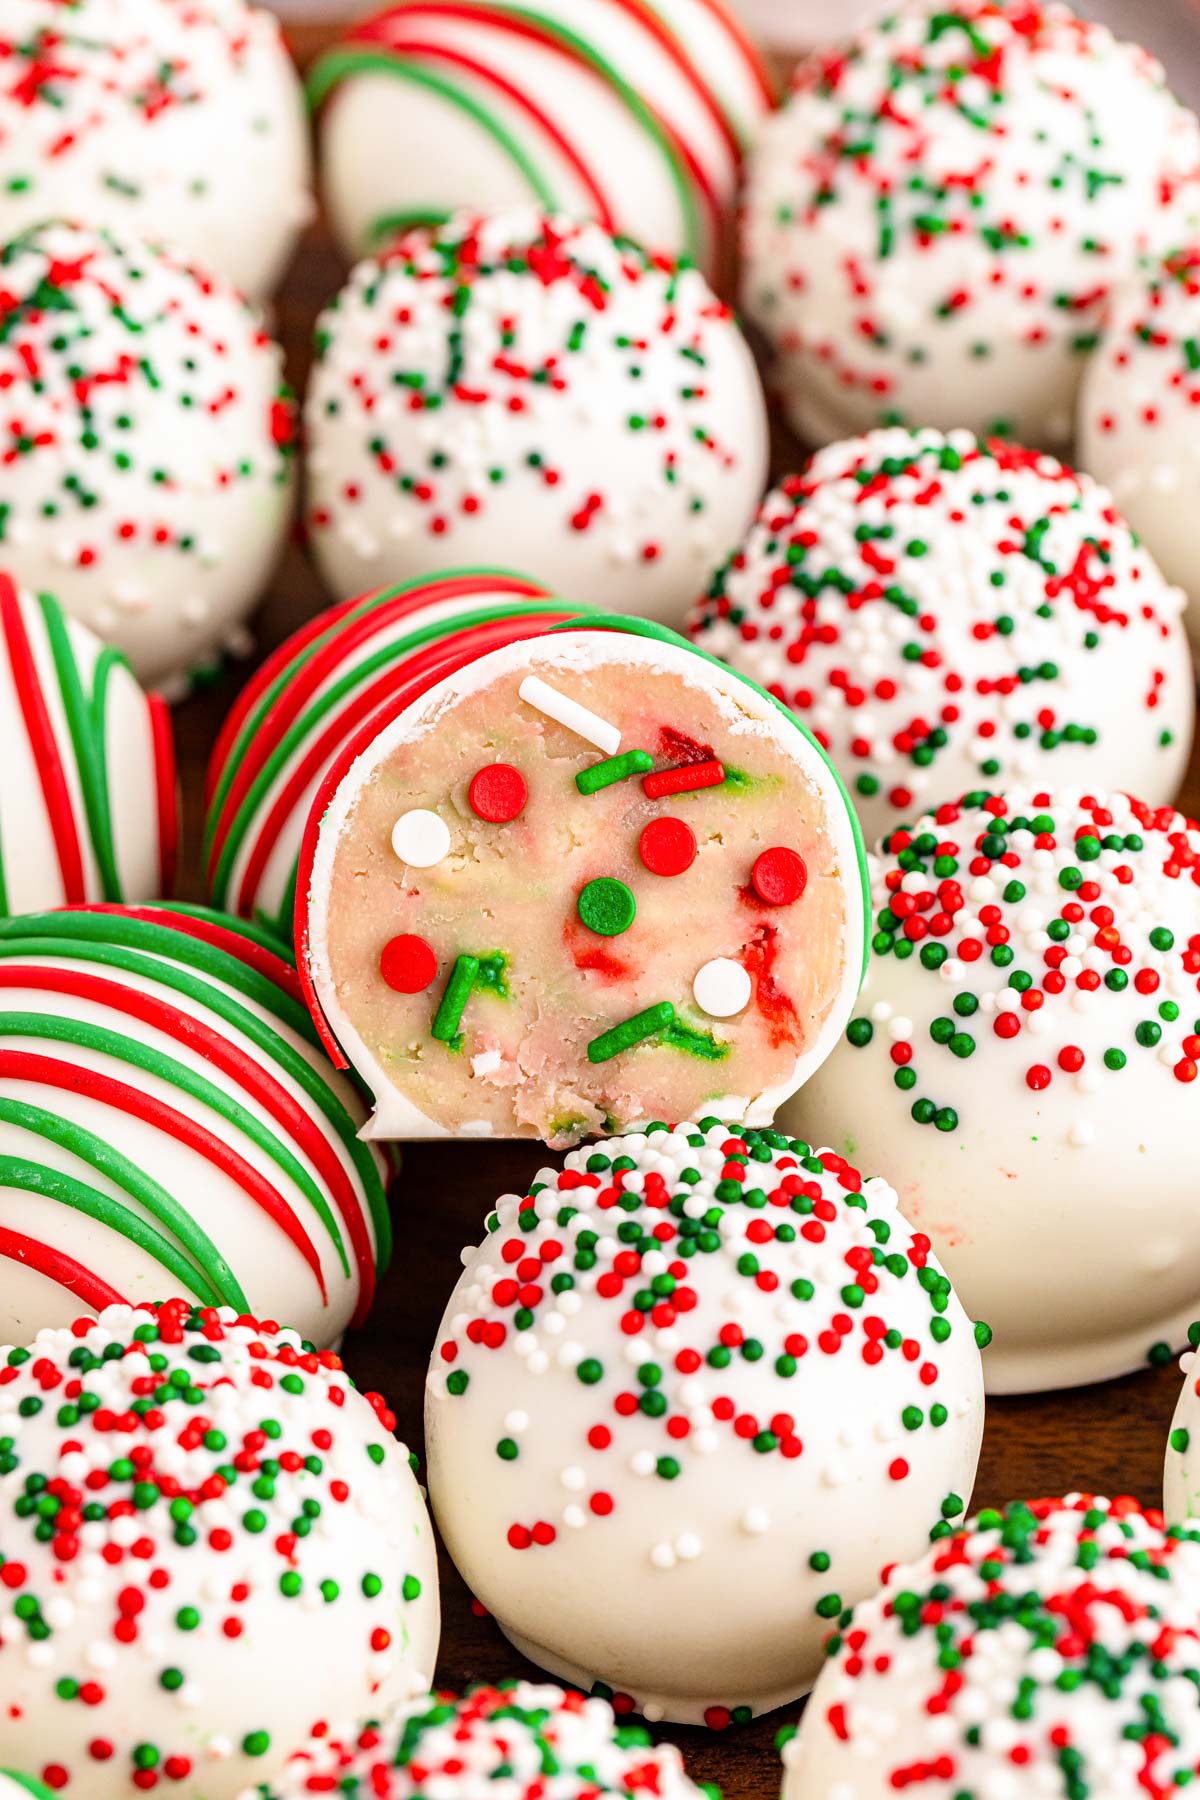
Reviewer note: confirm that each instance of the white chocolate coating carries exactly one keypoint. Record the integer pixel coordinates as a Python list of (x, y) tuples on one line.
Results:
[(523, 1738), (634, 115), (977, 1670), (584, 415), (1181, 1473), (254, 1556), (181, 121), (935, 216), (88, 794), (664, 1393), (944, 614), (1138, 426), (152, 488), (1025, 1073), (525, 1056), (169, 1124)]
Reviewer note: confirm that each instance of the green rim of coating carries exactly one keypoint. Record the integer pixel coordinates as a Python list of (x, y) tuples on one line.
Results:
[(650, 628)]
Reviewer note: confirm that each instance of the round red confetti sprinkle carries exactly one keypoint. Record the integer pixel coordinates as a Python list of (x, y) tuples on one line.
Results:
[(498, 793), (667, 846), (408, 964), (779, 876)]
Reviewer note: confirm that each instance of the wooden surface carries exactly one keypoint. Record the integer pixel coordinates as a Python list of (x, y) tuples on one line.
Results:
[(1108, 1439)]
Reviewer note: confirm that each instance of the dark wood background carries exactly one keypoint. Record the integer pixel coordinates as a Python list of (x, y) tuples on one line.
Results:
[(1108, 1439)]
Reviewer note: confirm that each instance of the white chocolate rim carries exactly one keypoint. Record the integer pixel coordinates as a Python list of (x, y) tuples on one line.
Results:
[(746, 710)]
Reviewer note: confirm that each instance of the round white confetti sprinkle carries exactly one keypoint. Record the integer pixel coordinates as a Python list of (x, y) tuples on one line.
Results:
[(721, 987), (420, 838)]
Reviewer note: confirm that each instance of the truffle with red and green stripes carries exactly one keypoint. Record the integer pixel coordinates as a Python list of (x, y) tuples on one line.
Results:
[(696, 1374), (170, 1125), (1047, 1647), (941, 612), (1023, 1062), (937, 214), (147, 437), (210, 1545), (289, 723), (522, 388), (172, 120), (635, 113), (575, 877), (528, 1739), (88, 795)]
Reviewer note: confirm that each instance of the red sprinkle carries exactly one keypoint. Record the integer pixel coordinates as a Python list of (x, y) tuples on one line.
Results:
[(683, 780), (667, 846), (498, 793), (408, 964), (779, 876)]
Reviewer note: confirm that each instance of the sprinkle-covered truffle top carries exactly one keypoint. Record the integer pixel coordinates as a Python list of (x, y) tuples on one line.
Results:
[(699, 1281), (939, 610), (479, 354), (1154, 328), (146, 110), (1057, 936), (1050, 1648), (527, 1740), (135, 393), (168, 1477)]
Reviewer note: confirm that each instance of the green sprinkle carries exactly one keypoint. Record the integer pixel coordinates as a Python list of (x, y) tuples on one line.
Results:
[(453, 1003), (606, 906), (631, 1031), (614, 768)]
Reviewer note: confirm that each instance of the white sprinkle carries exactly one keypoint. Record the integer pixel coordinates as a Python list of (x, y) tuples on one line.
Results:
[(755, 1520), (420, 838), (662, 1556), (721, 987), (565, 711)]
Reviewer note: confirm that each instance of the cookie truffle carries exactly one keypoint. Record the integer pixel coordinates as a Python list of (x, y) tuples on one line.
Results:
[(936, 215), (1181, 1476), (147, 434), (516, 1735), (1048, 1648), (227, 1549), (1022, 1064), (575, 881), (525, 391), (88, 795), (697, 1373), (635, 116), (308, 701), (170, 1125), (181, 121), (1138, 417), (942, 612)]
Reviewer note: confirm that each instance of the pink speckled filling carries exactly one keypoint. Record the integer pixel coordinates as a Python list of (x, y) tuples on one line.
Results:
[(520, 1066)]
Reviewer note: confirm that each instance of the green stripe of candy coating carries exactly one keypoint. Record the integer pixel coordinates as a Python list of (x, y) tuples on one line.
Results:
[(176, 948), (393, 224), (340, 63), (614, 768), (453, 1002), (97, 1038), (324, 703), (36, 1788), (108, 661), (3, 877), (65, 1190), (274, 1048), (161, 1205), (266, 937), (649, 628), (87, 732), (631, 1031)]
